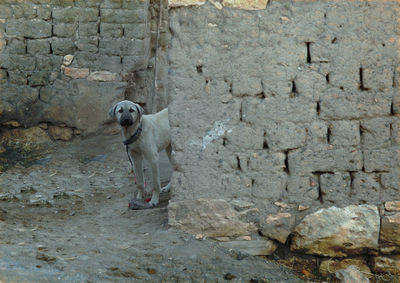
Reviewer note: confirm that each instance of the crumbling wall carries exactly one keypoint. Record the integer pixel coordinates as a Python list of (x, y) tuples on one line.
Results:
[(287, 110), (62, 63)]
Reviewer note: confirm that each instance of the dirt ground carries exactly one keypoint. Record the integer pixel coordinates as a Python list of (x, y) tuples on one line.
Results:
[(66, 219)]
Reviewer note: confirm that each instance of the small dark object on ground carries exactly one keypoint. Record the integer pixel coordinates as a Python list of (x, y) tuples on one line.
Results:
[(229, 276), (138, 204)]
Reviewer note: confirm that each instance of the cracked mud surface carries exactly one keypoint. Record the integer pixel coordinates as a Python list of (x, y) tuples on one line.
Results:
[(66, 219)]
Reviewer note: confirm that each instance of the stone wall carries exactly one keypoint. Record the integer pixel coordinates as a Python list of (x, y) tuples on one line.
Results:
[(284, 111), (63, 63)]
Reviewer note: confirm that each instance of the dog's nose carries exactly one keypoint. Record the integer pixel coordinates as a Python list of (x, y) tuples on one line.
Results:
[(126, 122)]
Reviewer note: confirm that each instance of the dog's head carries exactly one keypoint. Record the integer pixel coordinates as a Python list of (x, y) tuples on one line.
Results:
[(126, 112)]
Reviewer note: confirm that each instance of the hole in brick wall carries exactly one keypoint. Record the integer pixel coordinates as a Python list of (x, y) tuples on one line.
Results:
[(224, 140), (320, 193), (308, 52), (199, 69), (241, 112), (327, 78), (238, 163), (123, 31), (361, 131), (328, 135), (265, 144), (287, 162), (351, 182), (383, 44), (261, 95), (318, 107), (253, 182), (392, 108), (394, 84), (294, 90), (230, 88), (121, 60), (362, 87), (334, 40), (341, 88), (51, 49), (325, 15), (317, 174)]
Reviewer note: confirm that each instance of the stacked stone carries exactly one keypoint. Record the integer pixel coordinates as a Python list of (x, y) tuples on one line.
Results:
[(292, 108), (53, 52)]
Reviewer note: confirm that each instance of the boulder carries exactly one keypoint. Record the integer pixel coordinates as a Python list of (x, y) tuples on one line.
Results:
[(338, 232), (278, 226), (208, 217), (390, 264), (351, 275), (246, 4), (253, 247), (328, 267), (180, 3), (390, 233), (61, 133), (392, 206)]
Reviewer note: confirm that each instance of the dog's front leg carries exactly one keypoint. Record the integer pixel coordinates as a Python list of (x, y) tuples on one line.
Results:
[(156, 179), (138, 158)]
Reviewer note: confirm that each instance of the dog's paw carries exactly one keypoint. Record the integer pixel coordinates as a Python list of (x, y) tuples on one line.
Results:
[(167, 188), (154, 201), (137, 204), (153, 204)]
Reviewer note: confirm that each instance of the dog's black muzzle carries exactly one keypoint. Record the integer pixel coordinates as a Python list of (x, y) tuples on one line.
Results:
[(126, 121)]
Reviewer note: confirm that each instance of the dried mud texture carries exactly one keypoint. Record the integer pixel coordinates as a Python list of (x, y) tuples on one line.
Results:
[(66, 219)]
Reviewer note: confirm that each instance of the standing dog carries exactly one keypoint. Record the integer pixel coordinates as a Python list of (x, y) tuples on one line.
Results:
[(145, 136)]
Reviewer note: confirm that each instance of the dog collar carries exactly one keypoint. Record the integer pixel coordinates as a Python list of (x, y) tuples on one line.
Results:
[(135, 136)]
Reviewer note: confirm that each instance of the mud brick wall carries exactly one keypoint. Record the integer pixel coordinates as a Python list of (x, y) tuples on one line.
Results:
[(295, 105), (64, 62)]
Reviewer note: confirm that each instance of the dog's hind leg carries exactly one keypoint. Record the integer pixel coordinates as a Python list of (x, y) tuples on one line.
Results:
[(169, 152), (166, 188), (138, 160)]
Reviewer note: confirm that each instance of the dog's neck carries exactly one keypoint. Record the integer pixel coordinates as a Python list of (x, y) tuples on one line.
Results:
[(128, 132)]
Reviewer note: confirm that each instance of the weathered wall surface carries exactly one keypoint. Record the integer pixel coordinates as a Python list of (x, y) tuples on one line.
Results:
[(64, 62), (288, 110)]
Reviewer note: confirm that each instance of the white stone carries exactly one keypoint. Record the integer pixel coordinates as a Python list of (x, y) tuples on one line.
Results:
[(338, 231)]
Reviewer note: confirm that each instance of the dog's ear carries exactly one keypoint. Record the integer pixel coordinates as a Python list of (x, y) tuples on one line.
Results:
[(111, 112), (139, 108)]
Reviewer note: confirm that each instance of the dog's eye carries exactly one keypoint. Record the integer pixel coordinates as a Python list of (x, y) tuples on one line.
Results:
[(121, 110), (131, 110)]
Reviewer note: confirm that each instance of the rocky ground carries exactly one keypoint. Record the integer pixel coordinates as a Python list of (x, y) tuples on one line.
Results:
[(65, 218)]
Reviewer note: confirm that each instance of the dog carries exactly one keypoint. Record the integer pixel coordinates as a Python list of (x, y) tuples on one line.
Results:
[(144, 136)]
